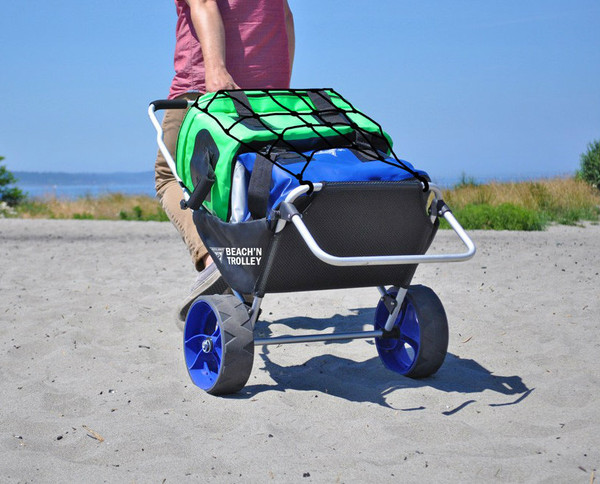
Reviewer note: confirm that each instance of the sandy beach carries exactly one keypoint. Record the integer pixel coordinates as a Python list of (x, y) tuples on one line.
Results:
[(94, 387)]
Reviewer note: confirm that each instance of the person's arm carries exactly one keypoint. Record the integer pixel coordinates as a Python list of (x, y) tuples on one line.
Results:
[(208, 25), (289, 27)]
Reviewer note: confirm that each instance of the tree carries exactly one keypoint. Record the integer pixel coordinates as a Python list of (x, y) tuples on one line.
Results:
[(590, 164), (11, 195)]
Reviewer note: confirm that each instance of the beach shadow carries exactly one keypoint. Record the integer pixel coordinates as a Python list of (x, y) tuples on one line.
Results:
[(349, 322), (369, 381)]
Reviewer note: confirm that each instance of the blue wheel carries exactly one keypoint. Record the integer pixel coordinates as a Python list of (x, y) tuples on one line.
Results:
[(218, 344), (417, 345)]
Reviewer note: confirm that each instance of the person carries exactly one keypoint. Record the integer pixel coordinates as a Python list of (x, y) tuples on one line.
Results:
[(220, 44)]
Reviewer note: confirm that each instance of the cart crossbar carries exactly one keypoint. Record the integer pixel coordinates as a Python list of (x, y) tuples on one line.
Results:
[(310, 338)]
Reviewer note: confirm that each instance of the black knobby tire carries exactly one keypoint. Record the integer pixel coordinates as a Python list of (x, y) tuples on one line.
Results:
[(421, 344), (434, 331), (222, 366)]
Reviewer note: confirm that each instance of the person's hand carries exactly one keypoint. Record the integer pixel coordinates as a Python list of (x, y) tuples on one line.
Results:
[(218, 79)]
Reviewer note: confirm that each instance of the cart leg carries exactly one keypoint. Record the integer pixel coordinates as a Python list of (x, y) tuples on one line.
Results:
[(255, 310), (392, 300)]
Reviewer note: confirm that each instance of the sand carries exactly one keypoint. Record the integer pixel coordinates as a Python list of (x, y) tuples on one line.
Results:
[(94, 387)]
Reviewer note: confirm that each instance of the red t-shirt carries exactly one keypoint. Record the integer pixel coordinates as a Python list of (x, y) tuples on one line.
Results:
[(256, 45)]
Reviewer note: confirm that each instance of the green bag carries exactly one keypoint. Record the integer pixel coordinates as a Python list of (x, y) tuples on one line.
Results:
[(221, 125)]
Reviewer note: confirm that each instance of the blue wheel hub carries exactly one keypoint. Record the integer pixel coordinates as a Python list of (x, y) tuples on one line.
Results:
[(399, 350), (202, 345)]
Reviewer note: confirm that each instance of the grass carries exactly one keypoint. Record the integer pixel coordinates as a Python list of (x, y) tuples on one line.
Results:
[(524, 205), (114, 206), (495, 206)]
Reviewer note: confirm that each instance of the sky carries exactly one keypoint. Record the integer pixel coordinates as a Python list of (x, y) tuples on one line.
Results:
[(485, 88)]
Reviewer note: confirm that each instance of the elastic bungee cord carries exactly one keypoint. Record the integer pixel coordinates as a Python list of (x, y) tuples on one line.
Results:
[(318, 114)]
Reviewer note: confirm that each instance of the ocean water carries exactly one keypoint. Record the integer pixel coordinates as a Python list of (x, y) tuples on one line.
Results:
[(72, 192), (76, 185)]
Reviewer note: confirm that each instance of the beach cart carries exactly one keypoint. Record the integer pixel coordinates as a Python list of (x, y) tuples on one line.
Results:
[(297, 190)]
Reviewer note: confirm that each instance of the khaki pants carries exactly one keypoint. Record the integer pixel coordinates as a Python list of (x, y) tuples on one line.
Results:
[(168, 190)]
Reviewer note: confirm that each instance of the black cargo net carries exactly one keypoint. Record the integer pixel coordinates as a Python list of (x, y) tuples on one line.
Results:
[(371, 145)]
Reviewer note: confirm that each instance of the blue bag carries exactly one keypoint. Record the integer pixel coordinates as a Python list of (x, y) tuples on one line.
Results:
[(258, 185)]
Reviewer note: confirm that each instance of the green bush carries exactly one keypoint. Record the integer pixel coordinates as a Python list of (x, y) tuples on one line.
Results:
[(138, 214), (573, 216), (83, 216), (35, 208), (10, 195), (505, 216), (590, 164)]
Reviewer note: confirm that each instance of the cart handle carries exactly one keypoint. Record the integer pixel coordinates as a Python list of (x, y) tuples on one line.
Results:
[(168, 104), (160, 104), (290, 213)]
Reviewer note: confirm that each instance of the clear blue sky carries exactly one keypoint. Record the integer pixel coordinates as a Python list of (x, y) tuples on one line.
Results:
[(488, 88)]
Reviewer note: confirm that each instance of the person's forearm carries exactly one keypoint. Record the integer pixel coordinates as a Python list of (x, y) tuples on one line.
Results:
[(291, 33), (208, 25)]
